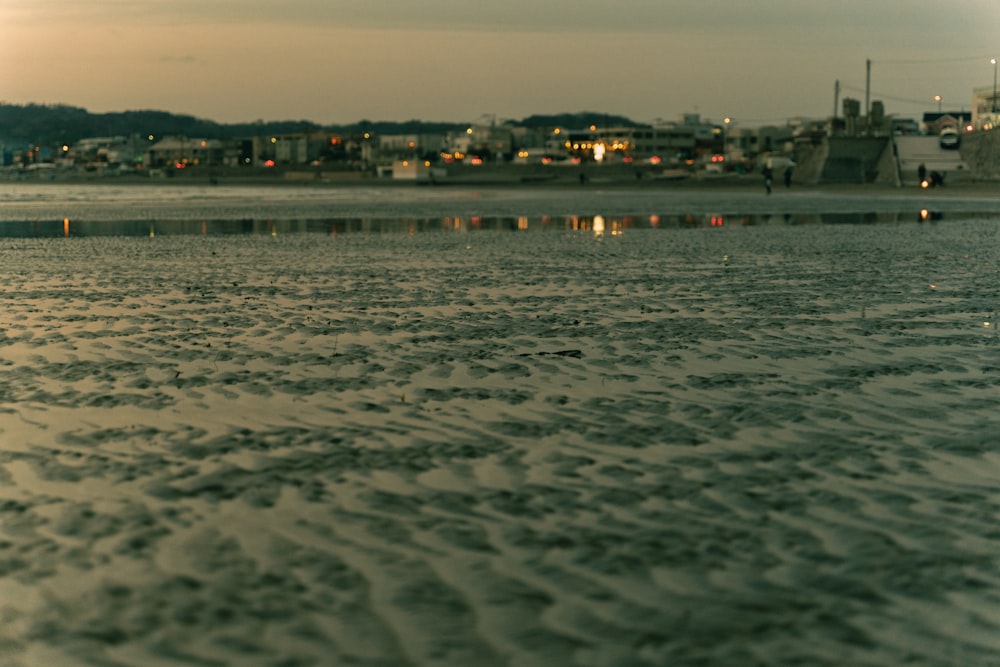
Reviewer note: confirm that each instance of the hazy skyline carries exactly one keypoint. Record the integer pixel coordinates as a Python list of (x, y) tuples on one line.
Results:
[(339, 61)]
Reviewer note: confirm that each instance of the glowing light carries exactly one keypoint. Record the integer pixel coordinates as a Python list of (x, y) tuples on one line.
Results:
[(598, 225), (924, 213), (469, 131), (599, 152), (925, 184)]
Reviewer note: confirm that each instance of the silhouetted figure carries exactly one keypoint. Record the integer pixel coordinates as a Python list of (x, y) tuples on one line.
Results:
[(583, 178), (767, 179), (922, 172), (788, 176)]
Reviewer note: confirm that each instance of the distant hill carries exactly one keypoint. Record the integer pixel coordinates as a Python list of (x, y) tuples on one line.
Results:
[(54, 125), (50, 125), (577, 120)]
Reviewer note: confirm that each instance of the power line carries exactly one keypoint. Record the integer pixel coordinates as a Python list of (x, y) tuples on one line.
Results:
[(925, 61), (884, 95)]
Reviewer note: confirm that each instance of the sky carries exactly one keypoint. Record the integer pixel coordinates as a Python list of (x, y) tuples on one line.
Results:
[(341, 61)]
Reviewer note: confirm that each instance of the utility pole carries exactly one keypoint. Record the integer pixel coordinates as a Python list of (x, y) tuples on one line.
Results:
[(836, 100), (868, 94)]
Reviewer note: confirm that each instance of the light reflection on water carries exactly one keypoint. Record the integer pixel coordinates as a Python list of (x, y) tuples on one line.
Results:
[(598, 224)]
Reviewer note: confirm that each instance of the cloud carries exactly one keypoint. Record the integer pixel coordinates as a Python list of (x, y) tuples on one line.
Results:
[(926, 23)]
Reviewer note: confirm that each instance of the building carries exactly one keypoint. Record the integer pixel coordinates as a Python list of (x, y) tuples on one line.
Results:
[(935, 121), (985, 108), (182, 152), (393, 147), (485, 142), (293, 149)]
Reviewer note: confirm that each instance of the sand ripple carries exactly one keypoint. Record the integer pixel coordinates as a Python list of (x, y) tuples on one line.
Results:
[(736, 446)]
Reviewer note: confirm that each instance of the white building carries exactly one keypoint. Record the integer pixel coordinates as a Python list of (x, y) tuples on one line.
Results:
[(985, 108)]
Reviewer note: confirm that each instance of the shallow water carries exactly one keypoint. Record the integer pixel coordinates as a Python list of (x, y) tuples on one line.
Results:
[(735, 445), (191, 203)]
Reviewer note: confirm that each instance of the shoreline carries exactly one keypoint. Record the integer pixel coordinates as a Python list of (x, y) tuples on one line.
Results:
[(512, 179)]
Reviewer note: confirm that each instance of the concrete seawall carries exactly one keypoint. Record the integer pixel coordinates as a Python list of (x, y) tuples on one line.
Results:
[(981, 152), (880, 160)]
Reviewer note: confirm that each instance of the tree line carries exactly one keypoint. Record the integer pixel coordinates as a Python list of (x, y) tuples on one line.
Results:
[(57, 124)]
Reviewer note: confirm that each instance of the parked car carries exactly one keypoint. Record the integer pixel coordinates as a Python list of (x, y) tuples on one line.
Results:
[(949, 138)]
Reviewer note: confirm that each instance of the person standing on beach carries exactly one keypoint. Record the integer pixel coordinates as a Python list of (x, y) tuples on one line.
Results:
[(767, 179), (921, 173), (788, 176)]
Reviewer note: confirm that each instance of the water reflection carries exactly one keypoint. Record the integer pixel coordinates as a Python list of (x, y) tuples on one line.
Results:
[(599, 225)]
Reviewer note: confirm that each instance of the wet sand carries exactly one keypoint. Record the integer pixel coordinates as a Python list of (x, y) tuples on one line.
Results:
[(726, 446)]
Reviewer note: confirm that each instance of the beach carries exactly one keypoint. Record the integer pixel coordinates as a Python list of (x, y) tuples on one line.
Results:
[(531, 427)]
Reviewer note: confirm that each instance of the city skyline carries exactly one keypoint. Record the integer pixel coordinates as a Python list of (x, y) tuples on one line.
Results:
[(333, 61)]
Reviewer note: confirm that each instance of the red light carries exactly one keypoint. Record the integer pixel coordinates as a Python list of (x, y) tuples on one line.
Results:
[(476, 160), (627, 160), (269, 163), (180, 165), (546, 160), (656, 159)]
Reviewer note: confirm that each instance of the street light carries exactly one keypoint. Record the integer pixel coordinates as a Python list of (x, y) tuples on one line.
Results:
[(993, 61), (937, 98), (725, 136)]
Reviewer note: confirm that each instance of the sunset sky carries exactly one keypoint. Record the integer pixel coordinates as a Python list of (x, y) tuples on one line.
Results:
[(339, 61)]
